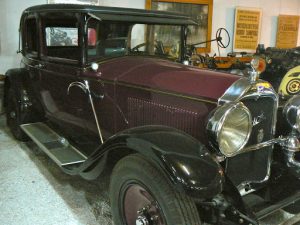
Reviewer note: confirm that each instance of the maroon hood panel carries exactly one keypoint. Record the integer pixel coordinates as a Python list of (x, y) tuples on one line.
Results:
[(168, 76)]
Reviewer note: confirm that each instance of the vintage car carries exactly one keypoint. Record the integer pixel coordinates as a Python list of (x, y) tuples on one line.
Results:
[(282, 69), (182, 145), (290, 83)]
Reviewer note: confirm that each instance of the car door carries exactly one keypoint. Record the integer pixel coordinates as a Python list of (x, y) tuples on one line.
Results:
[(73, 94), (66, 105)]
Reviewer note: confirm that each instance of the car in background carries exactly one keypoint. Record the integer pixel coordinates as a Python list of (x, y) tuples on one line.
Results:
[(282, 69), (182, 145)]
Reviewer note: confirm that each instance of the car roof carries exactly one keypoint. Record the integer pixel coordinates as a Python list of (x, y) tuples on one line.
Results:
[(117, 14)]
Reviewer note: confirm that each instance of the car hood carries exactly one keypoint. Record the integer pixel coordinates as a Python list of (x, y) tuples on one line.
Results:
[(164, 75)]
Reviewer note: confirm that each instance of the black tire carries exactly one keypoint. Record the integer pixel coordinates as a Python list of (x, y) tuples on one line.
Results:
[(14, 117), (172, 207)]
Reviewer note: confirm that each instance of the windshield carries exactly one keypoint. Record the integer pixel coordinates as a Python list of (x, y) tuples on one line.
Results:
[(108, 39)]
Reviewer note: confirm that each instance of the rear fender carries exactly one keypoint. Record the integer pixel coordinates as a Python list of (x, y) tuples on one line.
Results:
[(19, 81), (16, 79), (180, 157)]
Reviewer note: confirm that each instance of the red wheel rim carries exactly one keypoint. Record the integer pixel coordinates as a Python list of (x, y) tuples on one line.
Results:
[(140, 207)]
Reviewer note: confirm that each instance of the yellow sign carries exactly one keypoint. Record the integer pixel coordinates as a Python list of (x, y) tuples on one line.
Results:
[(287, 31), (247, 28)]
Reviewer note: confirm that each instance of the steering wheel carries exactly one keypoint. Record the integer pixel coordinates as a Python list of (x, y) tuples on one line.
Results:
[(219, 37), (159, 47), (136, 48)]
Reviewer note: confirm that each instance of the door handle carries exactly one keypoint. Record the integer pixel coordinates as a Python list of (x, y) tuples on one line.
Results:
[(39, 66)]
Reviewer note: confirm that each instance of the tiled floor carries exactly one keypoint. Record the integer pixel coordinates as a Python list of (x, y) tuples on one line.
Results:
[(34, 191)]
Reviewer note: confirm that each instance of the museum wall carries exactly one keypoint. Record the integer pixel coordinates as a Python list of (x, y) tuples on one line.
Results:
[(223, 16), (10, 13)]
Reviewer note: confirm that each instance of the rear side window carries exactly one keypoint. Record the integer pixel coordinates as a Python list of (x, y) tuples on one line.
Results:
[(31, 36), (61, 37)]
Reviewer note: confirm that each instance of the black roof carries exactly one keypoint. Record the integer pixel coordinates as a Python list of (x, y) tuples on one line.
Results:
[(117, 14)]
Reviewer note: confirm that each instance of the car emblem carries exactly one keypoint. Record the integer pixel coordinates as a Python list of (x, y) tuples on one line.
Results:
[(257, 120), (260, 135), (260, 88)]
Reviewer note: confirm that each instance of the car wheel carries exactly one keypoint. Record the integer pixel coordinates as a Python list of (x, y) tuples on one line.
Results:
[(141, 195), (14, 116)]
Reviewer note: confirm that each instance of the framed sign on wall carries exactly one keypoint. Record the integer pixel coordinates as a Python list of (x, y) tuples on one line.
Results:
[(247, 29), (199, 10), (287, 31)]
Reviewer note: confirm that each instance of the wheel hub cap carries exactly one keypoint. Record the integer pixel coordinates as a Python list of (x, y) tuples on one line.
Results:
[(141, 208)]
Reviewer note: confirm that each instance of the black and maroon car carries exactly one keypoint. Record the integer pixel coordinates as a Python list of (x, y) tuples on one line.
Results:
[(105, 91)]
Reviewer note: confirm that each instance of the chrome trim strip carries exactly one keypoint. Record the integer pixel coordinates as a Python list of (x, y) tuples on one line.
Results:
[(238, 89), (278, 140), (94, 111), (86, 88)]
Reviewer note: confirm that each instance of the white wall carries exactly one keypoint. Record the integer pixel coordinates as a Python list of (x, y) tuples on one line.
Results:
[(10, 13), (223, 16), (139, 4)]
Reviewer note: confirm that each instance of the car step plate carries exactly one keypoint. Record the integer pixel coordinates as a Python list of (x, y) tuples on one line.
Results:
[(55, 146)]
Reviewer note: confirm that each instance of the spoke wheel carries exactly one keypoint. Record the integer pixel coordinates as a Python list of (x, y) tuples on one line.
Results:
[(141, 195)]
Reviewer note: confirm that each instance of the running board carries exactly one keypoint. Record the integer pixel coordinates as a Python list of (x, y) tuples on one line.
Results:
[(55, 146), (279, 205)]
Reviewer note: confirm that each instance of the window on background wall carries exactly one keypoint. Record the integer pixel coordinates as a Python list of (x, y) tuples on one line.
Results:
[(199, 10)]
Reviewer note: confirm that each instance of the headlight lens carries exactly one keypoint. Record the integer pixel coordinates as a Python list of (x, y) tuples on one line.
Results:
[(230, 126), (291, 112)]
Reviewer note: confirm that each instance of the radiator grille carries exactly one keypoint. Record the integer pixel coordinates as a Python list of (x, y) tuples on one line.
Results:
[(254, 166), (265, 106), (143, 112)]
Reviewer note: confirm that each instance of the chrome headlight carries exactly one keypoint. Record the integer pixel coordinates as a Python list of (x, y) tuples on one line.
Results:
[(230, 127), (291, 112)]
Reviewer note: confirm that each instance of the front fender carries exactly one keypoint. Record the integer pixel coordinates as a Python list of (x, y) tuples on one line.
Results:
[(182, 158)]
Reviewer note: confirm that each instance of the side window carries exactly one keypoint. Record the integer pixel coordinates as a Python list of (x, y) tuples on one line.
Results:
[(61, 37), (106, 39), (31, 36)]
